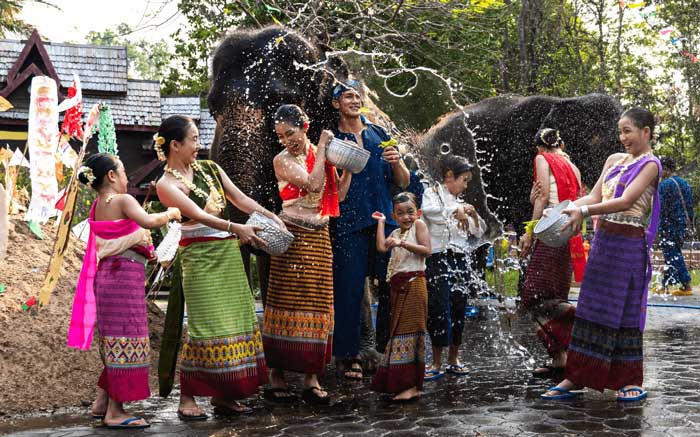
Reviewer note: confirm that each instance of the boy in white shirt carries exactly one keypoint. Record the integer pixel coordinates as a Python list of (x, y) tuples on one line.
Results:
[(455, 230)]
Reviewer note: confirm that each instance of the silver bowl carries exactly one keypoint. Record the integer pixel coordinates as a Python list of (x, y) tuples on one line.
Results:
[(548, 229), (277, 239), (347, 155)]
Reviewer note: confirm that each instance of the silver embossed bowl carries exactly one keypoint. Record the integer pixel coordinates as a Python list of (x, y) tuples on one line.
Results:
[(347, 155), (548, 229), (277, 239)]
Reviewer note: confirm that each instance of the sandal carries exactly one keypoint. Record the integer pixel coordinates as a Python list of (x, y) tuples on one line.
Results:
[(126, 424), (353, 366), (225, 410), (457, 370), (191, 417), (564, 393), (642, 394), (280, 396), (432, 375), (311, 397), (549, 372)]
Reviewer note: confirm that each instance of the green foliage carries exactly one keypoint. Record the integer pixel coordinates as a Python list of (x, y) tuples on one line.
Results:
[(147, 60)]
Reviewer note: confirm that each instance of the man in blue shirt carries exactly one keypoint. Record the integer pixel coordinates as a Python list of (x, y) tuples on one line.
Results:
[(676, 218), (354, 248)]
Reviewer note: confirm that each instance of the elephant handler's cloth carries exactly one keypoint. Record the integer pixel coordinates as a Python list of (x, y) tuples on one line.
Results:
[(329, 199), (568, 188), (354, 243), (298, 320)]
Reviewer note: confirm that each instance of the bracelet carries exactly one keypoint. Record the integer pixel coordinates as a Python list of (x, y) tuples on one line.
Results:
[(584, 211), (228, 227)]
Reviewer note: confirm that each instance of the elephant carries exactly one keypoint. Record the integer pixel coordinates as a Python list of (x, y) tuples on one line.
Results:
[(503, 129)]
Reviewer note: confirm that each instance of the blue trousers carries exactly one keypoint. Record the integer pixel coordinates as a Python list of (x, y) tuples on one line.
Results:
[(355, 256), (675, 271), (450, 278)]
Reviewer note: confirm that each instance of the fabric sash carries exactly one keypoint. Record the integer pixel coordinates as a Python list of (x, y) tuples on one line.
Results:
[(568, 188), (82, 322), (631, 172), (329, 199)]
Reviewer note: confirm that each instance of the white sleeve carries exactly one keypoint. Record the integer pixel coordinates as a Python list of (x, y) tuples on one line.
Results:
[(433, 209)]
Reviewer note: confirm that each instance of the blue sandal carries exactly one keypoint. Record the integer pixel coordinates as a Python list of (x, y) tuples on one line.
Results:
[(126, 424), (642, 394), (432, 375), (564, 393), (457, 370)]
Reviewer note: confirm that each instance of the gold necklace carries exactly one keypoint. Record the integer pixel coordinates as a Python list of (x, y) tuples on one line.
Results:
[(213, 199), (609, 186)]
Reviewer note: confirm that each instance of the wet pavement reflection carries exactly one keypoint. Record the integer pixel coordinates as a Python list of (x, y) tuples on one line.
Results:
[(498, 397)]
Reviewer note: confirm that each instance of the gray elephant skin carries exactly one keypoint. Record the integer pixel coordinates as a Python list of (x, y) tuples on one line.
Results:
[(503, 130)]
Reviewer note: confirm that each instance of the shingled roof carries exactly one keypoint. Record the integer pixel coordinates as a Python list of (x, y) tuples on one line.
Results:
[(190, 106), (101, 68)]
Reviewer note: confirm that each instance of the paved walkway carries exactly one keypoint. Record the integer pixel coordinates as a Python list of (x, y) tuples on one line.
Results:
[(498, 398)]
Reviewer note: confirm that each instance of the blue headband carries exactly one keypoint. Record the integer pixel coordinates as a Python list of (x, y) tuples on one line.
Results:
[(351, 85)]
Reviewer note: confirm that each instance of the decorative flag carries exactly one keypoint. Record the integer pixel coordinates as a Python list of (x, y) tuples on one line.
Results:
[(636, 5), (106, 138), (42, 140), (18, 159), (73, 118), (92, 118), (5, 105), (666, 31)]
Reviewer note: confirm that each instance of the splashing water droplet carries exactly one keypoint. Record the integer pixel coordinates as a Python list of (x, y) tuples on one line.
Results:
[(358, 36), (445, 148)]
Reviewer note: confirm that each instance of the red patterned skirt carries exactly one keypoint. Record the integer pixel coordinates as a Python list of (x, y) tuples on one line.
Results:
[(403, 363)]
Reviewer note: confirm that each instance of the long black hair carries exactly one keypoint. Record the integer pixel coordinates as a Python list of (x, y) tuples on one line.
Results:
[(175, 128)]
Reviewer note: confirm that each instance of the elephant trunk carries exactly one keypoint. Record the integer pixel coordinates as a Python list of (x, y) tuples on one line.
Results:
[(244, 148)]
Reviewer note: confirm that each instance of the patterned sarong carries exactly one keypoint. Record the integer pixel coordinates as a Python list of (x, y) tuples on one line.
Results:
[(545, 295), (403, 364), (222, 355), (122, 323), (298, 321), (606, 343)]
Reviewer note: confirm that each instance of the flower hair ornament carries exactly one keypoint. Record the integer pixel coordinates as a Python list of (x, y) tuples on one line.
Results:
[(87, 172), (158, 142), (557, 141)]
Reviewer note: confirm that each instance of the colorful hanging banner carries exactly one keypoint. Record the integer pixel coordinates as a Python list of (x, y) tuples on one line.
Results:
[(106, 138), (42, 140)]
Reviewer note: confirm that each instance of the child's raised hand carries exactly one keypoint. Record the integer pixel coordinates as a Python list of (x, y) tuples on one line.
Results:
[(378, 216), (174, 214)]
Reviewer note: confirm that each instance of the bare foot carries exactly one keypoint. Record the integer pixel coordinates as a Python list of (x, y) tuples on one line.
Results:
[(99, 407), (188, 407), (627, 393), (406, 395), (234, 406), (276, 378), (116, 415)]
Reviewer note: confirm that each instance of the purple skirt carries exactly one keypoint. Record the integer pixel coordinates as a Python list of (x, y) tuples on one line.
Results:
[(122, 322)]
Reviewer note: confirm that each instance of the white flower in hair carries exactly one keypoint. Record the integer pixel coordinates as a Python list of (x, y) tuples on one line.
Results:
[(87, 172)]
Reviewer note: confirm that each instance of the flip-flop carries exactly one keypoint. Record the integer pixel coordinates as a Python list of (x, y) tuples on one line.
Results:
[(642, 394), (353, 366), (191, 417), (310, 396), (270, 395), (457, 370), (551, 372), (433, 374), (125, 424), (564, 393), (98, 416), (223, 410)]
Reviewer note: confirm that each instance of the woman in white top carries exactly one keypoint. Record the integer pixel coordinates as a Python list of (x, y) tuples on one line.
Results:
[(455, 230)]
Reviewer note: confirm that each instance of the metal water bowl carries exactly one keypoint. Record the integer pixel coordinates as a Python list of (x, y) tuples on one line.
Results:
[(347, 155), (548, 229), (277, 239)]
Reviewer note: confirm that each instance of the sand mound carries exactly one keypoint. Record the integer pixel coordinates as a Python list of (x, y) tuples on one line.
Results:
[(38, 371)]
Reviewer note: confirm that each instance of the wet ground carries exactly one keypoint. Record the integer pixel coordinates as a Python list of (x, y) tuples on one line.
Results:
[(498, 398)]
